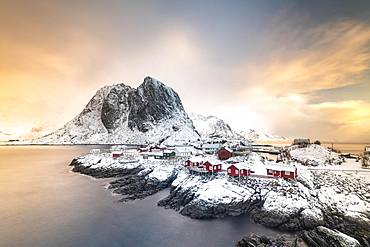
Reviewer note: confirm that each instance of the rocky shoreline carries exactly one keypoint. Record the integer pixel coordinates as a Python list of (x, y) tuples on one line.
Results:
[(319, 207), (131, 183)]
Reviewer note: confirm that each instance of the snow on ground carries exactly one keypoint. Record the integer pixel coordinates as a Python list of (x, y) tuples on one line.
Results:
[(162, 173), (314, 155), (181, 176), (348, 203), (312, 192), (222, 190), (280, 203)]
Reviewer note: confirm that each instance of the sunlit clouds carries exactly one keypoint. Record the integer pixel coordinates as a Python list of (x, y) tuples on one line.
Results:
[(292, 69), (336, 55)]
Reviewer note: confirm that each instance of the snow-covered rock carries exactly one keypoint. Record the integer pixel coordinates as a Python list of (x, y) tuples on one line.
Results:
[(314, 155), (153, 112), (317, 198)]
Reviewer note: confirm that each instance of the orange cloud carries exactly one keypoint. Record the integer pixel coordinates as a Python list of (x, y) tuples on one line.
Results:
[(331, 55)]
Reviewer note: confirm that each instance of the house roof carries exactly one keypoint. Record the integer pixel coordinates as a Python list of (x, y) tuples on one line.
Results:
[(160, 153), (184, 149), (197, 159), (213, 161), (211, 145), (227, 149), (278, 167), (241, 165)]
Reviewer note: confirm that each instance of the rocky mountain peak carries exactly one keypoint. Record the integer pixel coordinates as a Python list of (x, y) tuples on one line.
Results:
[(120, 113)]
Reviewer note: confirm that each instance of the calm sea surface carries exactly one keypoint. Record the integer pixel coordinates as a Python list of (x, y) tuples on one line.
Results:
[(42, 203), (355, 148)]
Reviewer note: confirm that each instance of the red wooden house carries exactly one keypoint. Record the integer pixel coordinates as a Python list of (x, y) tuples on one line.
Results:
[(212, 166), (224, 153), (239, 169), (282, 171)]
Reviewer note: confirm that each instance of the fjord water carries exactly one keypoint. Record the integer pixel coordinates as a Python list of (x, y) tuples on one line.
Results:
[(43, 203)]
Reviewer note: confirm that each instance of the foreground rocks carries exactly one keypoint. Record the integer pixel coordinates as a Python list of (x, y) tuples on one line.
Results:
[(318, 237), (319, 207), (253, 240), (134, 180), (312, 201)]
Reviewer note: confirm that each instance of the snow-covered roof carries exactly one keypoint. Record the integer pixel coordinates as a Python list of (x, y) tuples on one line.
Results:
[(241, 165), (159, 153), (211, 145), (278, 167), (213, 161), (197, 159), (227, 149), (184, 149)]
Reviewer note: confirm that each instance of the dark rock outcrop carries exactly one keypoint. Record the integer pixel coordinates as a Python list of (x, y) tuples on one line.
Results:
[(324, 237), (152, 102), (141, 108), (152, 112), (253, 240), (132, 183)]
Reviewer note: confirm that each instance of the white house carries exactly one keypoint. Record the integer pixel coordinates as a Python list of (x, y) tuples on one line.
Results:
[(184, 151), (211, 148)]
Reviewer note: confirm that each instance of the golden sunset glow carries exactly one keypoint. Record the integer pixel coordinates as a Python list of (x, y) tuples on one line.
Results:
[(312, 70)]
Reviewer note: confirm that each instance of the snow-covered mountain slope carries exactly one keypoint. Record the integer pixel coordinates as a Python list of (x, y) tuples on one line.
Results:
[(4, 137), (254, 135), (314, 155), (213, 127), (150, 113)]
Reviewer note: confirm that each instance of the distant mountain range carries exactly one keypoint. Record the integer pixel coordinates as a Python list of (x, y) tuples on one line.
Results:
[(5, 136), (152, 112), (214, 127)]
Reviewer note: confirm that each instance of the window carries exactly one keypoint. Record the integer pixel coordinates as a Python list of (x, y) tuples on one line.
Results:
[(236, 172), (229, 170)]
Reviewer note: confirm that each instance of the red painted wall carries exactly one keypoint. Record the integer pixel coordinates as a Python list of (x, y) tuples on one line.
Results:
[(224, 154)]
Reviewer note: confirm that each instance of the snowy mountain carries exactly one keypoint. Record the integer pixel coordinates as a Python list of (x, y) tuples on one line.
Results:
[(4, 137), (150, 113), (254, 135), (213, 127)]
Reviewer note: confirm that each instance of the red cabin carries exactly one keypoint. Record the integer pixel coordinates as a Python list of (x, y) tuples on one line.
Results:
[(282, 171), (116, 154), (215, 167), (224, 153), (237, 170)]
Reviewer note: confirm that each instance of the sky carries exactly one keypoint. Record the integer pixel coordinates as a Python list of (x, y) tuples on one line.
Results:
[(290, 68)]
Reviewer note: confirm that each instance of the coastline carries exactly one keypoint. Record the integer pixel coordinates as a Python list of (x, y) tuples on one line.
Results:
[(295, 206)]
